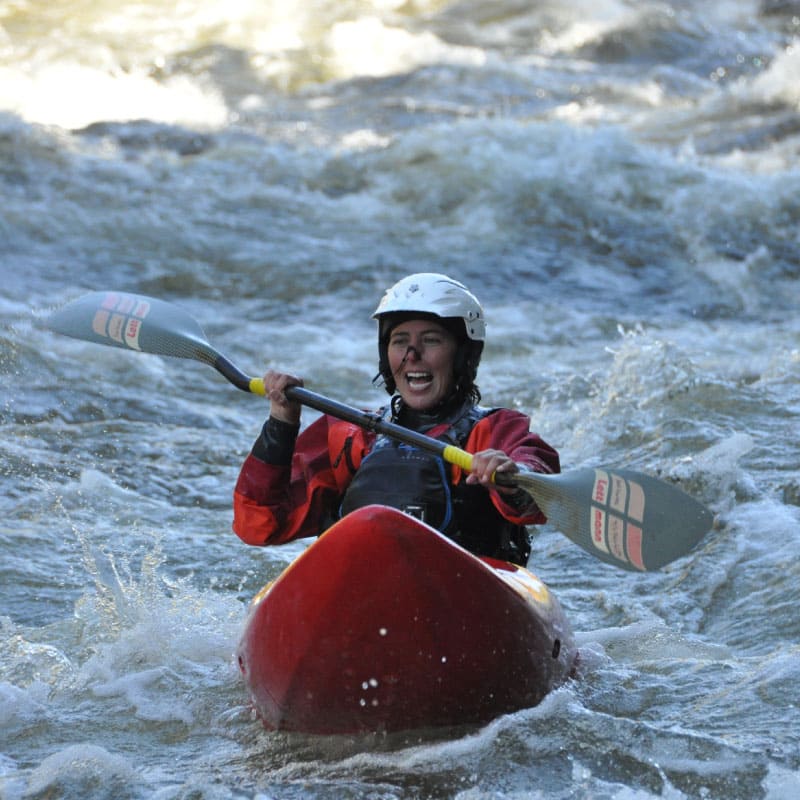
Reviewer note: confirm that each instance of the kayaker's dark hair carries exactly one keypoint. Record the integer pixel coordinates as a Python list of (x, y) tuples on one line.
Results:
[(468, 354)]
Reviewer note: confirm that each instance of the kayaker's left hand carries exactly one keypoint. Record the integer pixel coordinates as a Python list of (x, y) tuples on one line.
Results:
[(486, 463)]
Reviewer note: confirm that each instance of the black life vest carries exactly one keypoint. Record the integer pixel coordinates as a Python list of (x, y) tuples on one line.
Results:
[(420, 483)]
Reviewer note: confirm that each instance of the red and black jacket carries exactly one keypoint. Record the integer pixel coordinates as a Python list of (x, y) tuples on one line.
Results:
[(291, 489)]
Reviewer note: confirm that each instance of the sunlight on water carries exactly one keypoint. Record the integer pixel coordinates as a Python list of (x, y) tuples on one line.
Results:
[(49, 98), (148, 60)]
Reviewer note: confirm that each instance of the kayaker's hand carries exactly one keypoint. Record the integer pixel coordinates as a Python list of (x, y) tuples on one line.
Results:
[(486, 463), (280, 407)]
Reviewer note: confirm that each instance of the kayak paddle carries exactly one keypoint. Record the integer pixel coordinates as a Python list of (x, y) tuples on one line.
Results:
[(620, 516)]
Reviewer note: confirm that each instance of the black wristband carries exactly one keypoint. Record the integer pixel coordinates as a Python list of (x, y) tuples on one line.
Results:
[(276, 443), (519, 500)]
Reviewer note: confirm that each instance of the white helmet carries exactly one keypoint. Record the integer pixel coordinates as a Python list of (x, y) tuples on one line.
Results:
[(433, 293)]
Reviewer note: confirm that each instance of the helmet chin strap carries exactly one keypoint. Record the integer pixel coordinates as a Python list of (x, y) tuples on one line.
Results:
[(378, 379), (411, 349)]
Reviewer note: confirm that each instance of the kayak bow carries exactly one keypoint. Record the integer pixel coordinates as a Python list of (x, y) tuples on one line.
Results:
[(383, 624)]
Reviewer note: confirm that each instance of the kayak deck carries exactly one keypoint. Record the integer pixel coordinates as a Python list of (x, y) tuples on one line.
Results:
[(383, 624)]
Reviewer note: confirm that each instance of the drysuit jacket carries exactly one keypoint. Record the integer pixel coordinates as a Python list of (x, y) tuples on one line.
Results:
[(291, 489)]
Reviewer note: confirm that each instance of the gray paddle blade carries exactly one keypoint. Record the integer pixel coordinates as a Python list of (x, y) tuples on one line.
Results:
[(133, 322), (620, 516)]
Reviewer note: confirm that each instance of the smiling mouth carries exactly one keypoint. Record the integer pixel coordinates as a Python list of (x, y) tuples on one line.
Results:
[(419, 380)]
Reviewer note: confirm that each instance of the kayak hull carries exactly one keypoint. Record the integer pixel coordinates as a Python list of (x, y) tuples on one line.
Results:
[(383, 624)]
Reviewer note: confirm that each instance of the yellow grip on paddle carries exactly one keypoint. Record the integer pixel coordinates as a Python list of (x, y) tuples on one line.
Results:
[(257, 386), (461, 458), (455, 455)]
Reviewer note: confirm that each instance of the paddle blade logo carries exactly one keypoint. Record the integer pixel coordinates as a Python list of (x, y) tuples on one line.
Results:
[(120, 318), (617, 513)]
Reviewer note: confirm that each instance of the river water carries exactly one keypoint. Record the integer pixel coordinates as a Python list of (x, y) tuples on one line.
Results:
[(617, 181)]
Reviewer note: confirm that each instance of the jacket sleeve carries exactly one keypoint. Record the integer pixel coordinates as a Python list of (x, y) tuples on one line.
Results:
[(509, 431), (274, 503)]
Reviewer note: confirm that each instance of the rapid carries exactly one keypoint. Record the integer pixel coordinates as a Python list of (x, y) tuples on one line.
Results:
[(617, 181)]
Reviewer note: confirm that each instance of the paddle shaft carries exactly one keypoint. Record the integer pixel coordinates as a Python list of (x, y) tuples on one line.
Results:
[(620, 516), (374, 422), (368, 420)]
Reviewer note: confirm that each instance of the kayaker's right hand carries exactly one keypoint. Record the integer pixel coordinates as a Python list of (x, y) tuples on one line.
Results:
[(484, 466), (280, 407)]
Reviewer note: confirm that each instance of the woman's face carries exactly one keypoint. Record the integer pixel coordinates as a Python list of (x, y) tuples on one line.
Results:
[(421, 358)]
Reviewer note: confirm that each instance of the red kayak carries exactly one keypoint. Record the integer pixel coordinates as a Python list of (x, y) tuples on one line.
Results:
[(383, 624)]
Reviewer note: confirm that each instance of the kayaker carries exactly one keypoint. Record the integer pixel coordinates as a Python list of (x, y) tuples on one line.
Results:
[(431, 332)]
